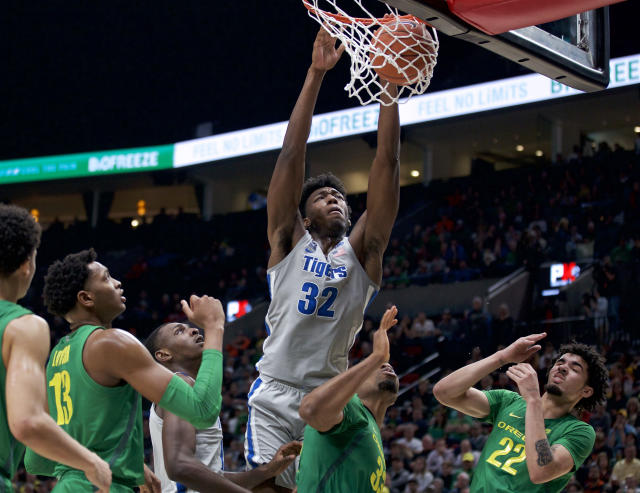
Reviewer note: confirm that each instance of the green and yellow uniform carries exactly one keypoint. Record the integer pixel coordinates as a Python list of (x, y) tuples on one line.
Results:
[(11, 450), (502, 467), (348, 457), (106, 420)]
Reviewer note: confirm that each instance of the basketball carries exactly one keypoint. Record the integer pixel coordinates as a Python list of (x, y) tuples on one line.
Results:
[(409, 44)]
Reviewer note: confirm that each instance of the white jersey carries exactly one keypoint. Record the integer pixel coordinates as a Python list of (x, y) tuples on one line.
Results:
[(208, 451), (317, 307)]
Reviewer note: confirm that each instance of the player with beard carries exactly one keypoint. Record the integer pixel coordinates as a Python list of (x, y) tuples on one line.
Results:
[(320, 280), (557, 442), (342, 448)]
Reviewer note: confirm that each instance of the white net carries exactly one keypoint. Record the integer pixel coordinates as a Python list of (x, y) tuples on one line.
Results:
[(391, 47)]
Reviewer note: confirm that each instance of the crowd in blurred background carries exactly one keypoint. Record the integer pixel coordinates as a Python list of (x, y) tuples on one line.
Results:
[(487, 225)]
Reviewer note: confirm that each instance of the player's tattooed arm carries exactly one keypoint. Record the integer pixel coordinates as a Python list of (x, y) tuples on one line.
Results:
[(545, 454)]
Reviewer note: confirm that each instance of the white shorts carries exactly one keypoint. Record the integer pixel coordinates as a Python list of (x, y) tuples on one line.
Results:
[(273, 421)]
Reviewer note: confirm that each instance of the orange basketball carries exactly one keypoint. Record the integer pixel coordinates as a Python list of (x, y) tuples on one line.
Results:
[(407, 41)]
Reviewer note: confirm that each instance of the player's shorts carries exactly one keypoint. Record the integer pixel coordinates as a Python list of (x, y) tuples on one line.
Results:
[(273, 421), (77, 482)]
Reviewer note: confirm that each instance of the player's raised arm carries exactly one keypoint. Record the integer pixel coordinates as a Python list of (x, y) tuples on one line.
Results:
[(119, 355), (284, 226), (322, 408), (456, 389), (371, 234), (27, 343)]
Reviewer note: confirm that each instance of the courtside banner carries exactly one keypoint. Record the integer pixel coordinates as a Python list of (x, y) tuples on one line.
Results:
[(86, 164), (433, 106)]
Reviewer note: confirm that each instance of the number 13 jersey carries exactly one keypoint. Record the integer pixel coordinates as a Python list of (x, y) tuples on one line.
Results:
[(106, 420), (317, 307)]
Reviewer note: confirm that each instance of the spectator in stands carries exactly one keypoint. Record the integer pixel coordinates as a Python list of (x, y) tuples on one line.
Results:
[(476, 436), (438, 422), (437, 486), (408, 439), (465, 449), (447, 474), (628, 466), (478, 325), (633, 408), (398, 475), (461, 483), (448, 325), (503, 327), (594, 482), (420, 473), (604, 467), (600, 420), (423, 326), (438, 456)]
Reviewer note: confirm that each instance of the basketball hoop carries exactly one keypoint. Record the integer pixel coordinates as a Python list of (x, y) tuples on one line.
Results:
[(396, 48)]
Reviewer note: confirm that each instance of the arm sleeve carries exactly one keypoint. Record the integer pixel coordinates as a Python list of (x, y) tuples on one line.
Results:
[(38, 465), (200, 404), (579, 442)]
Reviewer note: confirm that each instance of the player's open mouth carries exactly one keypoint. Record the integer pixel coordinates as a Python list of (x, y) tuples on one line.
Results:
[(123, 299), (199, 339), (336, 211)]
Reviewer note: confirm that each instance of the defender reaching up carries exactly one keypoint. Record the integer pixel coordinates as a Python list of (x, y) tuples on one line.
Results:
[(320, 280), (97, 372)]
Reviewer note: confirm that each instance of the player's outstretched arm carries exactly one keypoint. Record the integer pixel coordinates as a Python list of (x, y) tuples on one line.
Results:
[(284, 227), (285, 455), (322, 408), (180, 462), (371, 234), (27, 341), (456, 389), (118, 355)]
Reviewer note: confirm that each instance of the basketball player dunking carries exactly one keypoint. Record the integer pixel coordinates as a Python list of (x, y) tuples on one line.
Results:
[(320, 281)]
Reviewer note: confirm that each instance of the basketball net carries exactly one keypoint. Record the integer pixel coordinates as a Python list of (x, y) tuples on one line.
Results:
[(368, 53)]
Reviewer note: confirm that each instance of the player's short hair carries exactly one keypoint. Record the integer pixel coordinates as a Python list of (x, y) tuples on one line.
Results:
[(64, 279), (152, 342), (19, 237), (597, 373), (314, 183)]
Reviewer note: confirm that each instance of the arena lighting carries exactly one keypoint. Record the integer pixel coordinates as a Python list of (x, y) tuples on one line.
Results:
[(415, 173), (519, 148), (636, 129), (539, 153), (135, 223), (36, 214)]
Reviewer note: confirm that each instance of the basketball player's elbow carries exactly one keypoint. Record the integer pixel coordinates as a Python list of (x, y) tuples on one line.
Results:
[(181, 468), (29, 428), (308, 410), (440, 392)]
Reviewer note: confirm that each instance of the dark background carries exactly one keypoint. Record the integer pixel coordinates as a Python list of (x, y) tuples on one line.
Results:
[(78, 76)]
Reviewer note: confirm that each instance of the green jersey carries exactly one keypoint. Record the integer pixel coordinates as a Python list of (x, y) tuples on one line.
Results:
[(106, 420), (11, 450), (502, 467), (348, 457)]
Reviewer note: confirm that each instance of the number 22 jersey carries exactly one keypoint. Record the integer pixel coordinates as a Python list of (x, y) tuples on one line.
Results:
[(502, 467), (317, 307)]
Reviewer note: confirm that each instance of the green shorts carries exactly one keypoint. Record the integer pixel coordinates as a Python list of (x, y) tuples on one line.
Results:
[(76, 482)]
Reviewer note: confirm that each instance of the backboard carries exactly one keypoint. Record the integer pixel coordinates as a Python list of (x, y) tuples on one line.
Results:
[(573, 50)]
